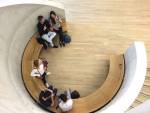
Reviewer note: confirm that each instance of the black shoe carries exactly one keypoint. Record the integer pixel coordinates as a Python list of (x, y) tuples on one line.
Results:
[(60, 44), (49, 45), (55, 46), (45, 46), (64, 44), (57, 107)]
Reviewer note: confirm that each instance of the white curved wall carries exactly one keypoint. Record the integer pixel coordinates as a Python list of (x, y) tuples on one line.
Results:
[(4, 3), (142, 108), (135, 72), (17, 25)]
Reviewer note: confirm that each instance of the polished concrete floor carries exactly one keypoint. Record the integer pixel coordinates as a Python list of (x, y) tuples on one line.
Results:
[(98, 28)]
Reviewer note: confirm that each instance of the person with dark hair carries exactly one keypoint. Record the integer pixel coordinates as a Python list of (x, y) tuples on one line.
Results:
[(55, 22), (46, 98), (66, 102), (44, 30)]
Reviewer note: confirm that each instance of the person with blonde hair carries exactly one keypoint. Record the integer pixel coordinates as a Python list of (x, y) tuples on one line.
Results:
[(55, 22), (39, 71), (65, 102)]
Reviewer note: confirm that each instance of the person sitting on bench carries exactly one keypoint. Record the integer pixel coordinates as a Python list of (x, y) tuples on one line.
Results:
[(39, 71), (65, 102), (44, 30), (46, 98), (55, 21)]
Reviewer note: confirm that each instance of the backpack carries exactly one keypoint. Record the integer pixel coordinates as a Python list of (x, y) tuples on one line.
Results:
[(75, 94), (66, 38)]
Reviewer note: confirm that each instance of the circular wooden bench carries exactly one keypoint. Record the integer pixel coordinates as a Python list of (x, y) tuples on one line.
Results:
[(106, 92), (90, 103)]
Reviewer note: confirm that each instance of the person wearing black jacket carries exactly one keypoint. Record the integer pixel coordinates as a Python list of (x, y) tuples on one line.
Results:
[(44, 30), (47, 96)]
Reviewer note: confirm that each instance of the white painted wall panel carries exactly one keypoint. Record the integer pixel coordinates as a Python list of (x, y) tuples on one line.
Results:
[(135, 72)]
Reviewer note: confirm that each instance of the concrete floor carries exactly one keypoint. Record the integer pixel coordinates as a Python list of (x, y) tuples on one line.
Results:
[(117, 22)]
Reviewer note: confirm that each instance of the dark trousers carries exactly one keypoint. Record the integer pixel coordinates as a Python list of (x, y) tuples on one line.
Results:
[(43, 78), (60, 33), (43, 42)]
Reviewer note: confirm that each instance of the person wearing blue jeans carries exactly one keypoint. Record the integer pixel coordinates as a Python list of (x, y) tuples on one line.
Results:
[(45, 30)]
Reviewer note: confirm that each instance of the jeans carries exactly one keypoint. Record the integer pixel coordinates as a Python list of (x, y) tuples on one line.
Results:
[(60, 33), (49, 37)]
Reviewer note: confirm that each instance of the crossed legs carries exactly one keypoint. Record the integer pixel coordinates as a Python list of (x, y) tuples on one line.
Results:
[(49, 37)]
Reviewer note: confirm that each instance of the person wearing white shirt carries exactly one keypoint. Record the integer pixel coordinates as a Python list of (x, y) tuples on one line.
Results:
[(66, 102), (39, 70)]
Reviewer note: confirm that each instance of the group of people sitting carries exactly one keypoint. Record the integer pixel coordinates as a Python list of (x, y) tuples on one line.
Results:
[(49, 95), (48, 28)]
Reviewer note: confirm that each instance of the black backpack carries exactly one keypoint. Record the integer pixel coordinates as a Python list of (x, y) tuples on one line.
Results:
[(75, 94), (66, 38)]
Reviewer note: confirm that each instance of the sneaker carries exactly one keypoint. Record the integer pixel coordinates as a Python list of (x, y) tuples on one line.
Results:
[(55, 46), (48, 73), (64, 44), (57, 106), (47, 85)]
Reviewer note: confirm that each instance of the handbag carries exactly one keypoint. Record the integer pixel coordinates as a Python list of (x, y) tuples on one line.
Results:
[(66, 38)]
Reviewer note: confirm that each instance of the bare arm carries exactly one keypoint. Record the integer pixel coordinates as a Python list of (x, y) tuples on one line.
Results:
[(52, 98), (60, 20)]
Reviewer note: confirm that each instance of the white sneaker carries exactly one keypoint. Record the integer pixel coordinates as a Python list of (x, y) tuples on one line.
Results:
[(48, 73), (47, 85)]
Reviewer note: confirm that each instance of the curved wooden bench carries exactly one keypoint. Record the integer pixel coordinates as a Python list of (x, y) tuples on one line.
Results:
[(106, 92), (32, 84), (91, 103), (31, 52)]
